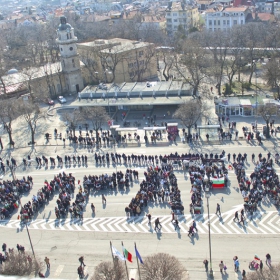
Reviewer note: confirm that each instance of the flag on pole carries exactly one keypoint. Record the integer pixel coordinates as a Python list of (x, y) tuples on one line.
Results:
[(218, 182), (138, 256), (127, 255), (117, 254)]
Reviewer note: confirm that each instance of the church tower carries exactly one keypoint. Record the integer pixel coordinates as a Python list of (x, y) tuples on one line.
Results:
[(70, 61)]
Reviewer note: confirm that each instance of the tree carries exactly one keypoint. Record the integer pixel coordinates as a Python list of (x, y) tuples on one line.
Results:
[(31, 113), (162, 266), (73, 118), (272, 73), (110, 271), (189, 113), (21, 264), (267, 111), (8, 113), (193, 63), (272, 273), (97, 116)]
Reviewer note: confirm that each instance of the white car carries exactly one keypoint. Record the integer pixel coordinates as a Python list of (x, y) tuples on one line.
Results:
[(61, 99)]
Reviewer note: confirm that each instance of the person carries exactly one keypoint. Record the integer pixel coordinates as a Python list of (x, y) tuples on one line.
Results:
[(194, 226), (221, 266), (81, 260), (268, 260), (47, 261), (243, 275), (80, 272), (236, 264), (236, 217), (261, 266), (218, 209), (190, 232), (103, 199), (176, 223), (41, 275), (205, 262), (157, 223), (172, 214), (4, 247), (149, 216), (92, 208)]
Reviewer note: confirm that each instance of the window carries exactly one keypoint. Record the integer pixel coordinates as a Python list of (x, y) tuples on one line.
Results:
[(61, 49), (130, 65), (71, 48), (218, 22), (228, 22), (174, 14), (210, 22), (131, 74), (63, 62), (224, 22), (73, 62), (141, 53), (175, 20), (169, 20), (235, 22), (141, 62), (67, 36), (214, 22), (168, 14), (70, 35), (241, 21)]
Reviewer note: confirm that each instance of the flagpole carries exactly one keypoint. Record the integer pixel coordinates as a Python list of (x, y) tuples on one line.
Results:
[(125, 263), (112, 253), (137, 262)]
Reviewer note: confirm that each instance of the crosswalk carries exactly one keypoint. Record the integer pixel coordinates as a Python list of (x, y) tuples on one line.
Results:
[(261, 223)]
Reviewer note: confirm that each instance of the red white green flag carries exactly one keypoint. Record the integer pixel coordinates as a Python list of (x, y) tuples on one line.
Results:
[(127, 255), (218, 182)]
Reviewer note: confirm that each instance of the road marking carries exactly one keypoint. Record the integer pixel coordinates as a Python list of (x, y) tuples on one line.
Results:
[(58, 270)]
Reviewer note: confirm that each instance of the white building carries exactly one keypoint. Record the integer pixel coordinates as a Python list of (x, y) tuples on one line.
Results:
[(70, 61), (221, 18), (181, 15)]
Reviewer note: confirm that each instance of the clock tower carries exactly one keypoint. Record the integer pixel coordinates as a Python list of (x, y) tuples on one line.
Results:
[(70, 61)]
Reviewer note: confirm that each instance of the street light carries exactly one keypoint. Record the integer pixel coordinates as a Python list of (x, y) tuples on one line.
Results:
[(207, 195)]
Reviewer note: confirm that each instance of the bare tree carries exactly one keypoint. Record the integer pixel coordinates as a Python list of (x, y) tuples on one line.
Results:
[(73, 118), (162, 266), (267, 112), (21, 264), (272, 73), (97, 116), (8, 113), (189, 113), (110, 271), (272, 273), (193, 64), (31, 113)]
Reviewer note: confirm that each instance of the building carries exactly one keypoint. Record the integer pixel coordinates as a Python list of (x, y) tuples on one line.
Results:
[(221, 18), (118, 60), (70, 61), (179, 15)]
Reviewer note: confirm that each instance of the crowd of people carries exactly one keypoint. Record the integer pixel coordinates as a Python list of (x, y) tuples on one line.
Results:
[(10, 192), (159, 186), (261, 184)]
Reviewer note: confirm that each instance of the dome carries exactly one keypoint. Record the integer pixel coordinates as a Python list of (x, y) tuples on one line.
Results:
[(63, 24), (12, 71)]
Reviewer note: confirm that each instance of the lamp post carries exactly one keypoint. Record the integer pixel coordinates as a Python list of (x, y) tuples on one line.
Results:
[(207, 194)]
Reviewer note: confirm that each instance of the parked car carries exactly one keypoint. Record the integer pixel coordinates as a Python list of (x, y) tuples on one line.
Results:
[(102, 86), (61, 99), (49, 101)]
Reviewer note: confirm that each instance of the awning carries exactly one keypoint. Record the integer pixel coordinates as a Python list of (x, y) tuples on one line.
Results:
[(155, 128), (127, 129)]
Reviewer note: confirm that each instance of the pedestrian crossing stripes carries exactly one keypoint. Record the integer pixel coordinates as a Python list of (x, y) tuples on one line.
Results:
[(261, 223)]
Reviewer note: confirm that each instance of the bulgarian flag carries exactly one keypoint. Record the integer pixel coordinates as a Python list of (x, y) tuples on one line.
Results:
[(218, 182), (127, 255)]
